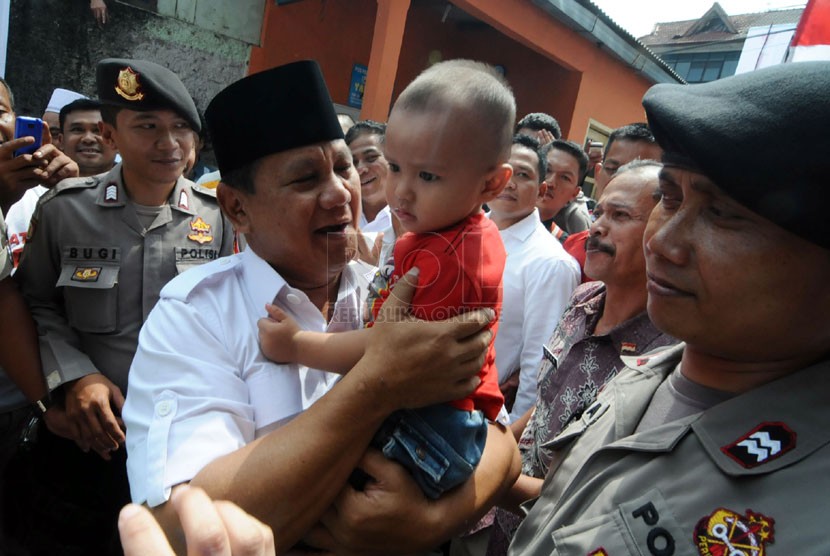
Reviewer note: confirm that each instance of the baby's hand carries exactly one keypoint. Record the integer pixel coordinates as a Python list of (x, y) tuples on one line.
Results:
[(278, 335)]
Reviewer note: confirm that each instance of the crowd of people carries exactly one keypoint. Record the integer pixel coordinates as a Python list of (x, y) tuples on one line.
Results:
[(418, 336)]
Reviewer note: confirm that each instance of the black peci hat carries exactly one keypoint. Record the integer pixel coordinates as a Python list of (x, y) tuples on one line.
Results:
[(141, 85), (269, 112), (762, 137)]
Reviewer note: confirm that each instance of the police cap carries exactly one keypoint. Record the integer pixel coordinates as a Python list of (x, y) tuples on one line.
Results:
[(762, 137), (270, 112), (142, 85)]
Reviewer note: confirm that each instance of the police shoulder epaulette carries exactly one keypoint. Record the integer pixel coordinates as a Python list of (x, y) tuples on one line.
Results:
[(183, 286), (654, 358), (210, 192), (68, 185)]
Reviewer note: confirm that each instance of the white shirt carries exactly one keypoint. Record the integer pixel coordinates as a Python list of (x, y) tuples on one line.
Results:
[(199, 386), (383, 220), (539, 278), (20, 214)]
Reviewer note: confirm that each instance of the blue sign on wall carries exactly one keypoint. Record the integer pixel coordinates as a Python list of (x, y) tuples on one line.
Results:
[(358, 84)]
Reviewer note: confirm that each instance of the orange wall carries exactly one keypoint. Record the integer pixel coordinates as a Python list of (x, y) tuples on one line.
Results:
[(609, 91), (336, 33), (536, 81), (551, 68)]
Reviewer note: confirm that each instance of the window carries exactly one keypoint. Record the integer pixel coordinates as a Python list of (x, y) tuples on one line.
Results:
[(700, 67)]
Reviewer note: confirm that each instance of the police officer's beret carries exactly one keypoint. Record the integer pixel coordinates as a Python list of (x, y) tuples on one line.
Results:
[(141, 85), (269, 112), (761, 136)]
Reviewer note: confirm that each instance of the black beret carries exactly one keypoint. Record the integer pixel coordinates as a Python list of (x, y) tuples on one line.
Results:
[(269, 112), (141, 85), (761, 136)]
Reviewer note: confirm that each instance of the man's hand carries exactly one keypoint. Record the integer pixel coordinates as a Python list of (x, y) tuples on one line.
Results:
[(392, 515), (59, 424), (47, 166), (209, 528), (99, 11), (417, 363), (544, 137), (89, 405), (278, 335), (53, 165), (370, 253), (16, 172), (390, 512)]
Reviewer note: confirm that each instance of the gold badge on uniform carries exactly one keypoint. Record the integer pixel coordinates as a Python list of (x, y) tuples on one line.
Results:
[(86, 273), (128, 86), (201, 231)]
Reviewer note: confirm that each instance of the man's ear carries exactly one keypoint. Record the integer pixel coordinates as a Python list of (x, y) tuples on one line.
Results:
[(577, 189), (233, 203), (543, 188), (107, 134), (496, 182)]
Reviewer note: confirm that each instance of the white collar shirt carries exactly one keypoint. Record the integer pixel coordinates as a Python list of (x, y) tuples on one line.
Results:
[(200, 387), (383, 220), (539, 278)]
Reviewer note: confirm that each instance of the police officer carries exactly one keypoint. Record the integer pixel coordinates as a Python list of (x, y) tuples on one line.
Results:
[(719, 445), (100, 251)]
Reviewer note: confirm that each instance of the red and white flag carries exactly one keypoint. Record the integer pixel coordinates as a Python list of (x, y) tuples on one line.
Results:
[(812, 36)]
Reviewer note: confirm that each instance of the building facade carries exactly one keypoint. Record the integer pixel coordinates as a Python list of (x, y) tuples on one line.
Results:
[(718, 45)]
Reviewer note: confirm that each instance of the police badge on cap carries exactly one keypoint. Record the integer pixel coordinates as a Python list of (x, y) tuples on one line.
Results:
[(128, 86), (142, 85)]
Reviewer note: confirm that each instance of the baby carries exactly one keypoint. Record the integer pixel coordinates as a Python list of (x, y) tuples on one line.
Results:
[(447, 143)]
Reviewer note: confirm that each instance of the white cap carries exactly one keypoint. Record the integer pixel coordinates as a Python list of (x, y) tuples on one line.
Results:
[(60, 98)]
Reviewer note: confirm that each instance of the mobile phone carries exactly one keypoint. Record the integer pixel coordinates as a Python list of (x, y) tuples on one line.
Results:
[(28, 127)]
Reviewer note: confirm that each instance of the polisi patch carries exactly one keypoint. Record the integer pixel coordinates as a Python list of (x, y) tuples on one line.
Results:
[(764, 443), (184, 254), (86, 273), (727, 533)]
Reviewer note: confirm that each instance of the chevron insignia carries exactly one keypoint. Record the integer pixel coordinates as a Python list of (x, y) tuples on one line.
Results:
[(764, 443), (111, 193)]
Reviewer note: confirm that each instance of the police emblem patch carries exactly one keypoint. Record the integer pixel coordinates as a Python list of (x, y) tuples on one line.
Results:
[(128, 86), (762, 444), (201, 231), (724, 533), (86, 273)]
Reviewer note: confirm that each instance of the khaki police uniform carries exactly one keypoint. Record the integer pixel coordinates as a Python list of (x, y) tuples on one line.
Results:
[(91, 273), (745, 477)]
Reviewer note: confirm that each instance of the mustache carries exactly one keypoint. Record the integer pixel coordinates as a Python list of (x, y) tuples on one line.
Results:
[(593, 243)]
